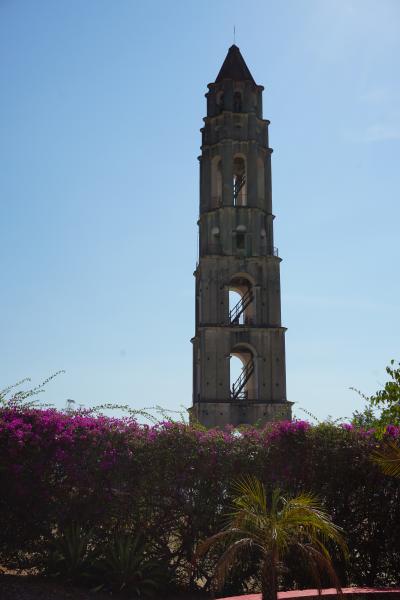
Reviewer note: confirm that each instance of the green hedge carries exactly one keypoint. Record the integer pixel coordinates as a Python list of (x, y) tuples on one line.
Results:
[(171, 482)]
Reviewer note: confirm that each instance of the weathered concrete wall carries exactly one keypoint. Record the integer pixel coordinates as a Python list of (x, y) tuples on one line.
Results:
[(218, 414)]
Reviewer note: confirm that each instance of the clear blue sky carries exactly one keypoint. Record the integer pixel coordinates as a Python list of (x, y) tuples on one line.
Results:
[(100, 107)]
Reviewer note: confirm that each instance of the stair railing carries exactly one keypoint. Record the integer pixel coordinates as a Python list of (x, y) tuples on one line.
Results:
[(238, 392), (239, 308)]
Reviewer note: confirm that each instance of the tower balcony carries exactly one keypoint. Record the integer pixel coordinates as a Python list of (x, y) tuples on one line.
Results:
[(216, 250)]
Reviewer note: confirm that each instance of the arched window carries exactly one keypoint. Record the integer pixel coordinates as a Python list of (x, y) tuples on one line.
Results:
[(240, 237), (241, 301), (235, 299), (242, 374), (237, 102), (240, 240), (216, 181), (235, 369), (220, 102), (239, 181)]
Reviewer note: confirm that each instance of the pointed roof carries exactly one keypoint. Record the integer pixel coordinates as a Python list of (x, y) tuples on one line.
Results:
[(234, 67)]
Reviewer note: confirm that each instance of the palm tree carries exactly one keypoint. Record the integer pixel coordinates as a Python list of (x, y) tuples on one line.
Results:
[(388, 458), (273, 528)]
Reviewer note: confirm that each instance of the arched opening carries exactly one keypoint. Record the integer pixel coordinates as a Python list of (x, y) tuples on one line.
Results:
[(239, 181), (237, 102), (220, 102), (235, 369), (240, 238), (234, 300), (242, 374), (241, 301), (216, 181)]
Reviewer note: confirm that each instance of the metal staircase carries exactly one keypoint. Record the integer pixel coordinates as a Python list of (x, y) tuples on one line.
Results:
[(238, 392), (240, 307), (238, 184)]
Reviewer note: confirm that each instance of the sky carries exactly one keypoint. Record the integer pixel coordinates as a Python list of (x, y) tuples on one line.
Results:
[(100, 109)]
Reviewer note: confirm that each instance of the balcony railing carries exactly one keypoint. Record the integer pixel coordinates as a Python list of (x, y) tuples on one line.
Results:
[(229, 400), (217, 249)]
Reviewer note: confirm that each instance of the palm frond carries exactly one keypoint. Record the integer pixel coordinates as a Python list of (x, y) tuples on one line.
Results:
[(250, 492), (205, 545), (305, 515), (388, 458), (273, 528), (318, 562), (228, 558)]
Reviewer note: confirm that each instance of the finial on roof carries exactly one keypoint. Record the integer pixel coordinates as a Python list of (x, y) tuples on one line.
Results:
[(234, 67)]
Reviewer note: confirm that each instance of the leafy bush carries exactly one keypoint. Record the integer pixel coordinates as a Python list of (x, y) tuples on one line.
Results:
[(383, 407), (172, 482)]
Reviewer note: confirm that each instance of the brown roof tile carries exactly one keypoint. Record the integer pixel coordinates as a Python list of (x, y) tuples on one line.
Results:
[(234, 67)]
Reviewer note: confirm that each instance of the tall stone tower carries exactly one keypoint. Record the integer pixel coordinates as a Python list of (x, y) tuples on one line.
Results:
[(237, 260)]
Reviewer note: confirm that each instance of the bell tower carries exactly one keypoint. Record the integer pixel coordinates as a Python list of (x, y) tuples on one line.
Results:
[(238, 305)]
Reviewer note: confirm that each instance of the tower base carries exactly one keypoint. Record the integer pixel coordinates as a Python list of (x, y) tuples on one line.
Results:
[(218, 414)]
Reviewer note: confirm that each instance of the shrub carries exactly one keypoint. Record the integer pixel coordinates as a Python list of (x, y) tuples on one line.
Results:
[(172, 482)]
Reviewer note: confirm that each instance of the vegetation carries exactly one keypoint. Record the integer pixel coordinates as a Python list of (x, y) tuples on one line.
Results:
[(171, 484), (382, 409), (388, 458), (127, 565), (269, 529), (123, 563), (100, 501), (69, 554), (25, 398)]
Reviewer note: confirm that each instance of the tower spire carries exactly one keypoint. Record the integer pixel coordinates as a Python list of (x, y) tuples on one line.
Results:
[(234, 67)]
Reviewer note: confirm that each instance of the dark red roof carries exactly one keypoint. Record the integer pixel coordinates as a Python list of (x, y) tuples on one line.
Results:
[(234, 67), (378, 593)]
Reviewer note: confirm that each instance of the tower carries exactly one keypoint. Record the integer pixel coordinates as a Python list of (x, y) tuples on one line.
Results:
[(237, 260)]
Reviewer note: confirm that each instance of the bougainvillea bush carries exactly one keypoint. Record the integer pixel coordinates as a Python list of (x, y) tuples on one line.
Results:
[(170, 483)]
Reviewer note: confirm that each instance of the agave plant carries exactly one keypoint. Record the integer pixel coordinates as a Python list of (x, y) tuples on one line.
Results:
[(70, 553), (127, 565), (272, 529)]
